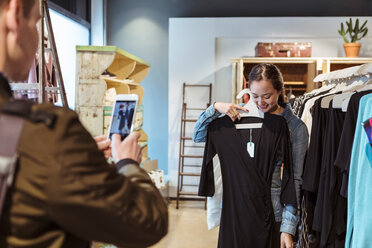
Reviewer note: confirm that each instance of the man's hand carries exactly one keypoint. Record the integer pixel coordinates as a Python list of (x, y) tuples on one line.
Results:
[(230, 109), (286, 240), (128, 148), (104, 145)]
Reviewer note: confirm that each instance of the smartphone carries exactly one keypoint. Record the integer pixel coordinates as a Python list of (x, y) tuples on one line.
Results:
[(368, 128), (123, 115)]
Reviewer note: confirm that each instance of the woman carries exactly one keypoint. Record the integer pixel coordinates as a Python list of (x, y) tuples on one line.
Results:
[(266, 86)]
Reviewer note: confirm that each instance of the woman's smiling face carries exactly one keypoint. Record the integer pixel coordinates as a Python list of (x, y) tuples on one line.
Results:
[(264, 95)]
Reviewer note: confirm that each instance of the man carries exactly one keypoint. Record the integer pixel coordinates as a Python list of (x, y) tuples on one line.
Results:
[(64, 193)]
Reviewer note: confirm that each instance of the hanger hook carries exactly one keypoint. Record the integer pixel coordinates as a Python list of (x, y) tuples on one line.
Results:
[(241, 93)]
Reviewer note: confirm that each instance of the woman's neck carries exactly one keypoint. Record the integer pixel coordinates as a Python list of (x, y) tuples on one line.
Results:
[(277, 111)]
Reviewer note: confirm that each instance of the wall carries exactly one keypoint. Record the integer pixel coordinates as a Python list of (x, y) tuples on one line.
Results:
[(98, 35), (141, 27), (135, 31)]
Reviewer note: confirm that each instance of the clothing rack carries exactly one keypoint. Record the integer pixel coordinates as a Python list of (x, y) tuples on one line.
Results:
[(40, 86), (344, 74), (334, 140)]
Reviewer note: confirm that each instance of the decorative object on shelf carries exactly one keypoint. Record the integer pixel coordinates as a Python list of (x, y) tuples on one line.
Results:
[(355, 33), (278, 49)]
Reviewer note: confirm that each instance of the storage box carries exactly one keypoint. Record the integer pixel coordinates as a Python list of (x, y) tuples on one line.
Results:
[(150, 165), (156, 175), (277, 49)]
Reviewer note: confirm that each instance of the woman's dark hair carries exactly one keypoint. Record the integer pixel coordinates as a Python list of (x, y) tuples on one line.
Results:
[(270, 73)]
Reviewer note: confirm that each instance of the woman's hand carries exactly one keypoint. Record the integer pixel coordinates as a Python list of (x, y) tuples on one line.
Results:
[(230, 109), (104, 145), (286, 240)]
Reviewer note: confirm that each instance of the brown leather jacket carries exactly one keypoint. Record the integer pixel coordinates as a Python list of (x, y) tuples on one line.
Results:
[(65, 193)]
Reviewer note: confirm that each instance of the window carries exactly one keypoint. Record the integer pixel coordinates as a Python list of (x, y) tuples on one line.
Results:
[(78, 10)]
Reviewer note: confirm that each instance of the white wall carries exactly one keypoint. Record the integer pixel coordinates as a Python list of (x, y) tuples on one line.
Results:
[(68, 34), (200, 49), (98, 33)]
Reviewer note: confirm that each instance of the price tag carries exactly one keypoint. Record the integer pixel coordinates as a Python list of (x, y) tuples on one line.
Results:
[(250, 149)]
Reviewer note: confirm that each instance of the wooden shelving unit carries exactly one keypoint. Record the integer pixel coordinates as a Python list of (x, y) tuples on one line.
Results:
[(103, 72), (298, 73)]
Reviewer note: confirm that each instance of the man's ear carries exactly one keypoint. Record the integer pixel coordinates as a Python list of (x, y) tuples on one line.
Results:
[(13, 15)]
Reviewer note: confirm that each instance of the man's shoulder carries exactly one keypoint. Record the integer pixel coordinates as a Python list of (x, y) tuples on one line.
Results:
[(52, 127), (44, 113), (59, 116), (59, 112)]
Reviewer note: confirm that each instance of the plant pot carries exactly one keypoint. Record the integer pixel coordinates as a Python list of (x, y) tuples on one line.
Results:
[(352, 49)]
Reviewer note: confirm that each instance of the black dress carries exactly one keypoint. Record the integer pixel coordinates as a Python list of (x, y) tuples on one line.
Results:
[(329, 215), (247, 218), (122, 119), (347, 138), (312, 167), (314, 154)]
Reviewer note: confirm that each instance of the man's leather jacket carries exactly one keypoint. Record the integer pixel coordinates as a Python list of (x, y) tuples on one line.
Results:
[(65, 194)]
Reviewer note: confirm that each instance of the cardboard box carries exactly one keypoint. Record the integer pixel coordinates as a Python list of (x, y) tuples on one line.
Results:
[(150, 165)]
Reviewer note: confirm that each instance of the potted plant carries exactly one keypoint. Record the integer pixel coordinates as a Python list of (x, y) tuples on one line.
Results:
[(355, 33)]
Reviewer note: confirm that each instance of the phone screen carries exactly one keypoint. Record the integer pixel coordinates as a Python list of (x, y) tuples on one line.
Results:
[(122, 119), (368, 128)]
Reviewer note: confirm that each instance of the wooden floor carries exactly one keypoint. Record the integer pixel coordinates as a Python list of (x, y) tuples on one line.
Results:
[(188, 227)]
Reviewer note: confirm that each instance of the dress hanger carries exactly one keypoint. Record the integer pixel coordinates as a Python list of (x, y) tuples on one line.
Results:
[(339, 87), (339, 99), (348, 91), (253, 111), (366, 86), (326, 100)]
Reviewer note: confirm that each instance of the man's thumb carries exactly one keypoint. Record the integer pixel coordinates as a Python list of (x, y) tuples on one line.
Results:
[(116, 139)]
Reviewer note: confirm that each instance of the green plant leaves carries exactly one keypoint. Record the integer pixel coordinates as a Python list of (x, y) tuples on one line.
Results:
[(355, 32), (343, 33)]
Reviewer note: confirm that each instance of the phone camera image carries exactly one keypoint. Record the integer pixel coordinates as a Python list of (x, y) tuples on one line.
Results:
[(122, 119)]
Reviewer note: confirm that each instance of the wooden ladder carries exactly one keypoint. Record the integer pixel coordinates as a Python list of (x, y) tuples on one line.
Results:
[(186, 142), (40, 86)]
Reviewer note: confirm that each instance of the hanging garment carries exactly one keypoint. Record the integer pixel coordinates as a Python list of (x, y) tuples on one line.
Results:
[(299, 103), (344, 151), (51, 77), (314, 154), (247, 218), (328, 203), (312, 168), (214, 203), (359, 218), (307, 116)]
